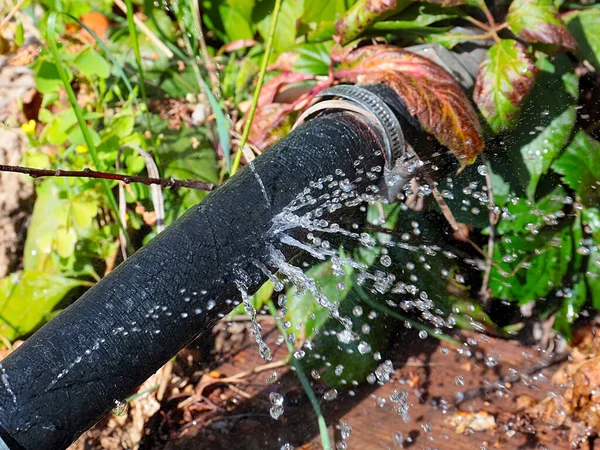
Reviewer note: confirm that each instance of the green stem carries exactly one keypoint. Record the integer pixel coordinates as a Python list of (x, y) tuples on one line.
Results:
[(261, 79), (303, 381), (81, 121), (136, 48)]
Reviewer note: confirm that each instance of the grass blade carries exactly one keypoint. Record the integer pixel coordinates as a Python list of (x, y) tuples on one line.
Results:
[(80, 119), (136, 48), (303, 380), (261, 79)]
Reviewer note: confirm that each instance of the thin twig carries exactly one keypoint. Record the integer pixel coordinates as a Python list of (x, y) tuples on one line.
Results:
[(478, 23), (455, 226), (12, 12), (261, 79), (491, 21), (208, 62), (144, 29), (88, 173)]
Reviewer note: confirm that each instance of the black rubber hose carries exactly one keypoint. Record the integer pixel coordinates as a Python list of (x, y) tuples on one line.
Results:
[(69, 374)]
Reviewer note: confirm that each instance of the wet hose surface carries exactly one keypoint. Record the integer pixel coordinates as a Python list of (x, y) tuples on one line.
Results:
[(69, 374)]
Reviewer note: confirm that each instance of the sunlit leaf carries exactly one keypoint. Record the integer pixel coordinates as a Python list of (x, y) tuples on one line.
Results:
[(91, 63), (591, 220), (419, 17), (449, 39), (64, 241), (579, 166), (539, 21), (539, 154), (544, 127), (584, 27), (285, 32), (27, 297), (271, 116), (84, 210), (46, 76), (531, 266), (319, 11), (363, 14), (574, 298), (523, 216), (431, 94), (303, 310), (504, 79)]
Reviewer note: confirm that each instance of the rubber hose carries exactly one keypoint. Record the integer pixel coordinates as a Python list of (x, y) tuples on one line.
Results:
[(69, 374)]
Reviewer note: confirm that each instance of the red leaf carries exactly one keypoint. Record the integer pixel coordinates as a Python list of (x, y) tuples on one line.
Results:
[(272, 111), (505, 77), (539, 21), (431, 94)]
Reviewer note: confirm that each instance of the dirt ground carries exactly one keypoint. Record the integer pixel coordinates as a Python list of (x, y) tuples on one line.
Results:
[(225, 404), (16, 191)]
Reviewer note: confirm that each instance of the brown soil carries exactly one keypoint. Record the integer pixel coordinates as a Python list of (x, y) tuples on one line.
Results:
[(225, 405), (16, 191)]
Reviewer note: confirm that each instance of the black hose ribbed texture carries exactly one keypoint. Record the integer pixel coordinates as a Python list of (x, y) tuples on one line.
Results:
[(69, 374)]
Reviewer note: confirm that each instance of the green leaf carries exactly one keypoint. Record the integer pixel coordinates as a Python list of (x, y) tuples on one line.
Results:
[(579, 166), (591, 223), (90, 63), (313, 59), (573, 300), (319, 11), (285, 32), (26, 298), (504, 79), (524, 216), (303, 310), (549, 99), (363, 14), (584, 26), (530, 266), (123, 125), (448, 39), (83, 211), (260, 297), (236, 17), (539, 21), (44, 222), (419, 17), (539, 154), (47, 79), (65, 240)]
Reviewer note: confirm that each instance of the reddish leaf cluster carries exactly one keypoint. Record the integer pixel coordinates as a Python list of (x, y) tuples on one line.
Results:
[(432, 95), (504, 79), (539, 21), (272, 112)]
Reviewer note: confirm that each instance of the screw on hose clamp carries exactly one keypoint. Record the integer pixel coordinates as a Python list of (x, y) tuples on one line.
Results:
[(397, 155)]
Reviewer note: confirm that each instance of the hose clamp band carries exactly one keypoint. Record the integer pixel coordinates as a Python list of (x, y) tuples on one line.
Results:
[(379, 114)]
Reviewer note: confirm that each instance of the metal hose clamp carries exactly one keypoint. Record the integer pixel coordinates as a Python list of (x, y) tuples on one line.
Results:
[(378, 113)]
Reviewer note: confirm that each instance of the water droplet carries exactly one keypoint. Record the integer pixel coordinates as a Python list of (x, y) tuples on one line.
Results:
[(272, 378), (385, 260), (330, 395), (120, 408), (364, 348), (276, 412), (276, 398), (345, 336), (482, 169)]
